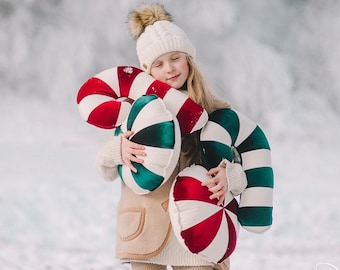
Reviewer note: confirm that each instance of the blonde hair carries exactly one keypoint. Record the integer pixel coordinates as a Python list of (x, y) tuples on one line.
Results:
[(199, 92)]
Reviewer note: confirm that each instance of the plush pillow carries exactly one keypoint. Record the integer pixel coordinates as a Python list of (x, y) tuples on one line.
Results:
[(200, 225), (228, 130), (157, 129), (105, 99)]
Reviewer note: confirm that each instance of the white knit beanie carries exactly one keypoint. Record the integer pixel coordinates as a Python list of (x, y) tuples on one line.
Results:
[(156, 35)]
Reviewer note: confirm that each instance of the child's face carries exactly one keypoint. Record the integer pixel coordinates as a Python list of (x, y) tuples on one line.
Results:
[(171, 68)]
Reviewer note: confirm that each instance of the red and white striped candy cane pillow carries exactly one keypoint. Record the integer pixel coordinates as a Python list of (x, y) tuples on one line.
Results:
[(200, 225), (105, 99)]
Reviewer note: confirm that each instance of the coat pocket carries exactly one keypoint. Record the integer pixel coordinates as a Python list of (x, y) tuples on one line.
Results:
[(131, 223)]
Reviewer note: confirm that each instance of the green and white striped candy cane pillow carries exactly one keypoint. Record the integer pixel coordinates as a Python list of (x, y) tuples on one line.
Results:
[(227, 129), (158, 130)]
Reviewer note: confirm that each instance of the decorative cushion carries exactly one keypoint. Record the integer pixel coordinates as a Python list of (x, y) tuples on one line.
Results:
[(199, 224), (157, 129), (105, 99), (228, 130)]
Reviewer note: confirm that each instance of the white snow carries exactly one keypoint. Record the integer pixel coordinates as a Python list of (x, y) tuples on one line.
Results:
[(276, 62)]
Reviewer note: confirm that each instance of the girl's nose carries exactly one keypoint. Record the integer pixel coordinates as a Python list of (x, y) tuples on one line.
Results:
[(169, 67)]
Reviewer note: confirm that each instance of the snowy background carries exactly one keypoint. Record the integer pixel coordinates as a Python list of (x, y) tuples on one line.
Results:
[(276, 61)]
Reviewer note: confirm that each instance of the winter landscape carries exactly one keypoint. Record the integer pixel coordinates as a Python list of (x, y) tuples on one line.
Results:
[(275, 61)]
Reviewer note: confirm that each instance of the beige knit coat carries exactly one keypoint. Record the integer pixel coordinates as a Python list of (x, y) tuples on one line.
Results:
[(143, 222)]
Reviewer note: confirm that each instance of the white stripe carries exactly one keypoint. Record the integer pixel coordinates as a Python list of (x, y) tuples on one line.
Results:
[(192, 212), (174, 100), (89, 103), (228, 198), (247, 126), (257, 196), (257, 229), (124, 111), (215, 132), (140, 85), (157, 160), (130, 182), (196, 172), (201, 121), (162, 161), (215, 251), (110, 77), (174, 216), (152, 113), (234, 219), (256, 159)]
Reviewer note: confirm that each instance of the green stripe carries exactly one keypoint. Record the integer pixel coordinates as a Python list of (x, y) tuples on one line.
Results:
[(260, 177), (255, 216), (256, 140), (137, 106), (161, 135), (119, 168), (213, 152), (145, 178), (228, 119), (118, 131)]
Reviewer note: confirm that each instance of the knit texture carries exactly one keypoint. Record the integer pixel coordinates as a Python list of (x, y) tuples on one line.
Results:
[(172, 253), (109, 157), (160, 38), (237, 179)]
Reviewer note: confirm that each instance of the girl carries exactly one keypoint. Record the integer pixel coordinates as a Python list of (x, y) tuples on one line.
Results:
[(144, 234)]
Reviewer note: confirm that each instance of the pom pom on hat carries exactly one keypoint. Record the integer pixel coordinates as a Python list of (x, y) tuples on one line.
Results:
[(156, 34), (145, 16)]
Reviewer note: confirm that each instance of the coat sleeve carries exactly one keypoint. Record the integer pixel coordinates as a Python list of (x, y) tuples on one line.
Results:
[(109, 157), (237, 179)]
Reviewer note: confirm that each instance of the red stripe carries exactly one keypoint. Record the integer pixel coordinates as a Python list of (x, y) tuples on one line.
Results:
[(126, 76), (95, 86), (188, 188), (188, 115), (232, 238), (232, 206), (105, 115), (158, 88), (199, 237)]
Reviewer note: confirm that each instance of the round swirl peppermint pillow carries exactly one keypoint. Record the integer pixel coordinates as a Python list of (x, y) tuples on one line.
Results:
[(200, 225), (158, 130)]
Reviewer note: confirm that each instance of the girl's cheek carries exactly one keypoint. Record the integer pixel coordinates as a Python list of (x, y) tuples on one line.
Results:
[(157, 75)]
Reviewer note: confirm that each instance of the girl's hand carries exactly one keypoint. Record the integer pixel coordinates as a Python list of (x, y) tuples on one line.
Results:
[(131, 150), (218, 184)]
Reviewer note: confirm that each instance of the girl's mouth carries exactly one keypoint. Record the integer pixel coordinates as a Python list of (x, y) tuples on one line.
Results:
[(173, 78)]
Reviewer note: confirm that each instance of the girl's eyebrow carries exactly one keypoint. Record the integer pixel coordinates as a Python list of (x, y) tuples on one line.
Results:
[(157, 62), (175, 53)]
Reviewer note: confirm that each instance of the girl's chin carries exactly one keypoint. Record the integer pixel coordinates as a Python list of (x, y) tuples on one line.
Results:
[(175, 85)]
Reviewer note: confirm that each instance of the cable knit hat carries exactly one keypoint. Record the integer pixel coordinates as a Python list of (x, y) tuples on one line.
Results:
[(156, 34)]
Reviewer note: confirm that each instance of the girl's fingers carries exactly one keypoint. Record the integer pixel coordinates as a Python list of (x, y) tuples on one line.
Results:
[(132, 168), (211, 181), (217, 185), (220, 195), (131, 151)]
